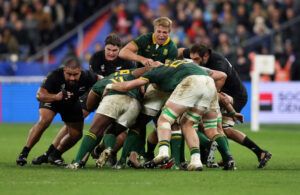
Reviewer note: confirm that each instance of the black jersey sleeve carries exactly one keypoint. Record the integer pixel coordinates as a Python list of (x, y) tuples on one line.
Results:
[(52, 82), (96, 61), (90, 78), (126, 64), (220, 63)]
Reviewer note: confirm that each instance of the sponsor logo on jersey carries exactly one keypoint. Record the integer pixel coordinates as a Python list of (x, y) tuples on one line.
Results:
[(82, 88), (102, 67), (165, 52)]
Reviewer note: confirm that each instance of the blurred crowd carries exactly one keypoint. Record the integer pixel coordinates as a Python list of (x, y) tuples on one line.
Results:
[(235, 28), (227, 26), (28, 25)]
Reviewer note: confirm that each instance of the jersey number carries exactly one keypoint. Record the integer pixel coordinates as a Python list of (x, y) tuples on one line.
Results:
[(118, 77), (175, 64)]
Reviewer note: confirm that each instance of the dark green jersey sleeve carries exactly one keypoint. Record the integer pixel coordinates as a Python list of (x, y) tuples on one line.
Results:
[(119, 76), (153, 75), (172, 55), (142, 41)]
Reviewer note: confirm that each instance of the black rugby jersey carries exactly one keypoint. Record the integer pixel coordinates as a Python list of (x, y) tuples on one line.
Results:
[(233, 85), (101, 66), (55, 82)]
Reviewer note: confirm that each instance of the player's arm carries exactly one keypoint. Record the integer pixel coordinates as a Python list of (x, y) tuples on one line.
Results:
[(44, 96), (129, 52), (93, 101), (140, 71), (227, 103), (127, 85), (183, 53), (219, 78)]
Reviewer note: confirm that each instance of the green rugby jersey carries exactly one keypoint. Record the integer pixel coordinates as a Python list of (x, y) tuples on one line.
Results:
[(148, 48), (120, 76), (169, 75)]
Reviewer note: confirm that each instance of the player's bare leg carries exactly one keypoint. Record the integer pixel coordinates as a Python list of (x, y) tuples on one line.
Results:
[(35, 133), (168, 116), (187, 122), (62, 134)]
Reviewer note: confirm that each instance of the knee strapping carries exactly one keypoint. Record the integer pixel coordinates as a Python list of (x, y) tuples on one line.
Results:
[(227, 123), (164, 126), (208, 124), (193, 116), (169, 115)]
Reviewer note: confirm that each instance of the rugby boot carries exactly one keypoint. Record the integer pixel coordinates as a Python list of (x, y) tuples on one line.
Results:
[(21, 160), (195, 166), (210, 163), (133, 161), (229, 165), (74, 166), (265, 157), (56, 160), (103, 157), (40, 159), (119, 165), (169, 165)]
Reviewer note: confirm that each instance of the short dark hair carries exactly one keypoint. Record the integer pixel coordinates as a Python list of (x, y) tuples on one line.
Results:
[(72, 62), (113, 39), (200, 49)]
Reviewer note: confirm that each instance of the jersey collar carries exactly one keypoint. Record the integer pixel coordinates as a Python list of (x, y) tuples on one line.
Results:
[(165, 43)]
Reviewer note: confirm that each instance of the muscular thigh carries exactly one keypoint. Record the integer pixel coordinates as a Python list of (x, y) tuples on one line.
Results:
[(119, 107), (154, 100), (194, 91)]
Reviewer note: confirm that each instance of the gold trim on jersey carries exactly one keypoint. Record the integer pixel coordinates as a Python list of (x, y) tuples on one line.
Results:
[(165, 43), (143, 78)]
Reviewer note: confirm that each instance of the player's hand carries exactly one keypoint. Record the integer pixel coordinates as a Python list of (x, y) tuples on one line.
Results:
[(59, 96), (155, 64), (238, 117), (105, 92), (147, 62), (99, 77), (67, 95)]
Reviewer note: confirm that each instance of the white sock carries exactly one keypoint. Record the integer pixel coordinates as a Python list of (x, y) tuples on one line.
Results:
[(195, 158), (163, 151)]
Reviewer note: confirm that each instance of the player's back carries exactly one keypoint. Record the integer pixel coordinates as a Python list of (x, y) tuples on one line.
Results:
[(169, 75)]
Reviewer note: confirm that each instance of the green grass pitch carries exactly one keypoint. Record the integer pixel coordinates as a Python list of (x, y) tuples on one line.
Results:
[(281, 176)]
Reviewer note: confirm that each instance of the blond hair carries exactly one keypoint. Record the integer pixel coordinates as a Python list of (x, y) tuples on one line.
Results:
[(163, 21)]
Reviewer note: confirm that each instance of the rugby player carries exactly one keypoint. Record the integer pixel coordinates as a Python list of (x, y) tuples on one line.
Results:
[(103, 63), (59, 93), (234, 88), (187, 99), (115, 106), (147, 50)]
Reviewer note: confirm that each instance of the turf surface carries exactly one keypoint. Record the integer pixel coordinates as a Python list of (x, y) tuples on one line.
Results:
[(281, 176)]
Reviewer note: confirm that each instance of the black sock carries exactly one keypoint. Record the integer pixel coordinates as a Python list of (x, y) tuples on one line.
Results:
[(56, 153), (25, 151), (150, 148), (252, 146), (50, 150)]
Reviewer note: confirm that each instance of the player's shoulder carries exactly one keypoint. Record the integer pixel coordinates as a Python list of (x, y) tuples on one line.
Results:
[(146, 36), (96, 57), (125, 63), (58, 72), (217, 55), (172, 43)]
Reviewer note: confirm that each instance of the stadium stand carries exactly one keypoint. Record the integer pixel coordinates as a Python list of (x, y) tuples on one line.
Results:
[(235, 28)]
